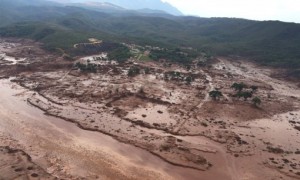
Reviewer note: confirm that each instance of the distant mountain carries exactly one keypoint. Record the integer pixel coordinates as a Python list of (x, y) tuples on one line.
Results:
[(134, 4), (117, 10), (99, 6), (19, 3)]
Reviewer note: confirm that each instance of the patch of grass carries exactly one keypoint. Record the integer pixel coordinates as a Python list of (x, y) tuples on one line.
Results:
[(145, 58)]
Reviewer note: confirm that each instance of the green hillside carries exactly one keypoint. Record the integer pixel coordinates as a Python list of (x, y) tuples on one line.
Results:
[(270, 42)]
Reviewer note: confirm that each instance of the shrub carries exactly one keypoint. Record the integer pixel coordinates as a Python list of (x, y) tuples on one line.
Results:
[(245, 95), (215, 94), (133, 71), (256, 101), (86, 67), (238, 86), (188, 79), (254, 88)]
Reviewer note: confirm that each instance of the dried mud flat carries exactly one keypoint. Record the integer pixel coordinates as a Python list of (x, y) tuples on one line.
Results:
[(155, 125)]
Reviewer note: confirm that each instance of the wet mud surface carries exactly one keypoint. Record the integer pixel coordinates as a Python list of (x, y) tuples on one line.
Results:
[(166, 127)]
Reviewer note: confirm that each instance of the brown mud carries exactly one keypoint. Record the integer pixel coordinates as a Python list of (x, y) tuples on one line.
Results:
[(153, 125)]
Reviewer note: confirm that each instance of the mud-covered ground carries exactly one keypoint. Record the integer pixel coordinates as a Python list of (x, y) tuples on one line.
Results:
[(161, 122)]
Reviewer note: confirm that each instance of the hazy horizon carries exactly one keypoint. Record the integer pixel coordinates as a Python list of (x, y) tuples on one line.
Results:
[(283, 10)]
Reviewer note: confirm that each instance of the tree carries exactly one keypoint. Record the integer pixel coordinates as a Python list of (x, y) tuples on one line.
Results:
[(256, 101), (254, 88), (120, 54), (188, 79), (238, 86), (245, 95), (86, 67), (188, 67), (133, 71), (215, 94), (147, 70), (141, 90), (176, 74)]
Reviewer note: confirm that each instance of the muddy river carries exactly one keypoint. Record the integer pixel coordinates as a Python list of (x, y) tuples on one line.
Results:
[(50, 140)]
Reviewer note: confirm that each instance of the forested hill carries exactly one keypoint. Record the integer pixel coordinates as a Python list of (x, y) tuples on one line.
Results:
[(267, 42)]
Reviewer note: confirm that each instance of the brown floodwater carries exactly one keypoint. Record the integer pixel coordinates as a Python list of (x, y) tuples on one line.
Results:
[(30, 127)]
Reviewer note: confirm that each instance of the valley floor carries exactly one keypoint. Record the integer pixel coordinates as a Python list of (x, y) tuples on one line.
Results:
[(57, 122)]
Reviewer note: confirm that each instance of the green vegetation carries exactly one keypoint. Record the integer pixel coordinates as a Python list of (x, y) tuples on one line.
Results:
[(294, 73), (253, 88), (244, 94), (145, 58), (175, 55), (174, 75), (215, 94), (90, 68), (133, 71), (178, 77), (120, 54), (147, 70), (238, 86), (256, 101), (189, 79), (53, 37), (268, 43)]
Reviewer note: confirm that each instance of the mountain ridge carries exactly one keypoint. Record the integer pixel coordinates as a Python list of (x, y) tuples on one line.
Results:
[(134, 5), (266, 42)]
